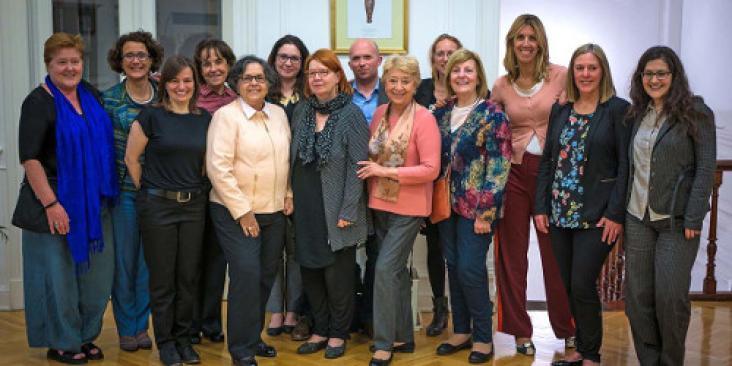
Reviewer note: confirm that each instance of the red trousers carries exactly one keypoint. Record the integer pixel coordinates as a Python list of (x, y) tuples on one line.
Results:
[(512, 264)]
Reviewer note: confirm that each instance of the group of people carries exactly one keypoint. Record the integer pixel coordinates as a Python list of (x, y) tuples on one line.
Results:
[(282, 168)]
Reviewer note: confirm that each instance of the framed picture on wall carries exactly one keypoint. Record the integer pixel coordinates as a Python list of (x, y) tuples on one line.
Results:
[(384, 21)]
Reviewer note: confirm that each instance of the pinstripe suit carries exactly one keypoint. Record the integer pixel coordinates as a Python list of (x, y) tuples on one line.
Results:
[(658, 257)]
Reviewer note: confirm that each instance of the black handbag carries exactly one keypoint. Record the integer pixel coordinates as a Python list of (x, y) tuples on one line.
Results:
[(29, 213)]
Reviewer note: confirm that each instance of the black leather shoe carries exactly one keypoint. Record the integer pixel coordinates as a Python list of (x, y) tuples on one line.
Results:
[(265, 350), (335, 352), (195, 339), (188, 355), (169, 355), (402, 348), (567, 363), (274, 332), (445, 349), (246, 361), (479, 357), (311, 347), (378, 362), (215, 337)]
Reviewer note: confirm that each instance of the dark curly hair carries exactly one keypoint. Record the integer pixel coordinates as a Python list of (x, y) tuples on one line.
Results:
[(212, 44), (240, 66), (154, 49), (678, 104), (275, 91)]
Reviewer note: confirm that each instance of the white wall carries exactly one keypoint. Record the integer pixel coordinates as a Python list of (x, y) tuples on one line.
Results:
[(706, 51)]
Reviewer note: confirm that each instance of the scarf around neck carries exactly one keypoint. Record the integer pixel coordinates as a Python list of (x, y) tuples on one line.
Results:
[(388, 147), (311, 148), (86, 170)]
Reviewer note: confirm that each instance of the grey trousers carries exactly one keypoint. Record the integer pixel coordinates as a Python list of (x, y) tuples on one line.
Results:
[(395, 236), (658, 264), (287, 295)]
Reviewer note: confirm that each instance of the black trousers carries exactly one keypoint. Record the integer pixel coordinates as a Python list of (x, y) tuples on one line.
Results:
[(207, 309), (252, 268), (580, 254), (372, 254), (435, 259), (172, 235), (330, 293)]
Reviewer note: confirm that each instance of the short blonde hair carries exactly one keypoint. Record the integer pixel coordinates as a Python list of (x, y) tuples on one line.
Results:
[(541, 63), (460, 56), (405, 64), (60, 40), (607, 88)]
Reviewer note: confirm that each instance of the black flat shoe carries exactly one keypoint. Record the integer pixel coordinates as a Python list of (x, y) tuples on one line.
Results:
[(378, 362), (66, 357), (188, 355), (288, 328), (335, 352), (402, 348), (310, 347), (169, 355), (479, 357), (445, 349), (567, 363), (274, 332), (215, 337), (246, 361), (195, 339), (265, 350), (88, 348)]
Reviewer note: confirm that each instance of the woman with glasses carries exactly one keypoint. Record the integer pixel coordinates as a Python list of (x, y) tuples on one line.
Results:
[(248, 163), (135, 55), (330, 136), (171, 203), (528, 90), (214, 58), (580, 190), (672, 162), (287, 300), (432, 94)]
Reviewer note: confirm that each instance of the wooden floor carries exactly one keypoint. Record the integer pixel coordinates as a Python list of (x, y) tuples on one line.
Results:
[(709, 343)]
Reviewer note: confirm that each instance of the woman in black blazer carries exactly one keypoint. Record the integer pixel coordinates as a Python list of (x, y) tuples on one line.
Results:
[(580, 192), (672, 160)]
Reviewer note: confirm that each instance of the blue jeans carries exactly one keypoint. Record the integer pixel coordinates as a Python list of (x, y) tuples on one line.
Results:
[(63, 309), (130, 295), (465, 253)]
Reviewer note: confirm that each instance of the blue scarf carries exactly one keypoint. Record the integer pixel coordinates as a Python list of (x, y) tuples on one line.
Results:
[(86, 170)]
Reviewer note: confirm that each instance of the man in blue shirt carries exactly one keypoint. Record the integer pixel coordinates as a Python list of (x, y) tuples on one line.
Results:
[(364, 61)]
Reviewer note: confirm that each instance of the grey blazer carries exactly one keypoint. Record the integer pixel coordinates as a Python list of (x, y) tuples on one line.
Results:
[(343, 192), (682, 168)]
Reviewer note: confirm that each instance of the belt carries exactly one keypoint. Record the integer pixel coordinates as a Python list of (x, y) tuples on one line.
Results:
[(181, 197)]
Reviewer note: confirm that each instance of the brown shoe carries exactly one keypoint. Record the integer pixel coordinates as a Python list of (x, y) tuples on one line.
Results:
[(301, 332), (143, 340), (128, 343)]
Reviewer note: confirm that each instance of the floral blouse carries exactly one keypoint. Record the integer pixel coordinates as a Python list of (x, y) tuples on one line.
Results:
[(567, 190)]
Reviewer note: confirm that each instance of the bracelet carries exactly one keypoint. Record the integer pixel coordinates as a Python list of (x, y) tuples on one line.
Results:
[(53, 203)]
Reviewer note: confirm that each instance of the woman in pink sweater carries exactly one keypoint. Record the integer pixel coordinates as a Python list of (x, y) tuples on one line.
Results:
[(404, 153), (527, 93)]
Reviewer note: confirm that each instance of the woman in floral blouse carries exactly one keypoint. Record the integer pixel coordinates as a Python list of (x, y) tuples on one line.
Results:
[(580, 189), (476, 147)]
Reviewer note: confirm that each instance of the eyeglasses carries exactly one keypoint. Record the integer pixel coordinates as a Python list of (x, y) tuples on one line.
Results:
[(142, 56), (317, 73), (250, 79), (660, 75), (284, 58)]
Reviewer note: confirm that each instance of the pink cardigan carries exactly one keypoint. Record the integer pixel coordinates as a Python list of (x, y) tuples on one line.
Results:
[(420, 170), (527, 116)]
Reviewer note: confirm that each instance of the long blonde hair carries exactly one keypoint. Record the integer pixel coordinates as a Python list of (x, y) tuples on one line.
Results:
[(541, 62)]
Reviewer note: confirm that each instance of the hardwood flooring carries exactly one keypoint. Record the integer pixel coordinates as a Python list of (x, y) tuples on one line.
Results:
[(709, 343)]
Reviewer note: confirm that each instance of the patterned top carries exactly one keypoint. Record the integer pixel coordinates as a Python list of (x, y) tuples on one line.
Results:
[(211, 101), (480, 162), (123, 110), (567, 190)]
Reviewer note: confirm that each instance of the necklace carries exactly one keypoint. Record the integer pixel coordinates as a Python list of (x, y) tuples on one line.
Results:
[(146, 101)]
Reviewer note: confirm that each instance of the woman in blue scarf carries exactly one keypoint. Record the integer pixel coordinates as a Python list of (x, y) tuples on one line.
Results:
[(66, 148)]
